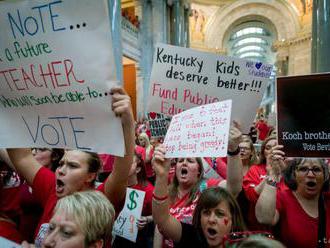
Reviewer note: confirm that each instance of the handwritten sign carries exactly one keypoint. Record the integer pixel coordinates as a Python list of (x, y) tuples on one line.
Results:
[(126, 222), (199, 132), (56, 72), (158, 124), (304, 115), (182, 78)]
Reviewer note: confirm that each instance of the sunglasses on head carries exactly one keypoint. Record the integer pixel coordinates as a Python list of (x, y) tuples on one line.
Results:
[(235, 238)]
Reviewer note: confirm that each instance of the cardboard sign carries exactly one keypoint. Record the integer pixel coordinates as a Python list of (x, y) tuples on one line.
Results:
[(56, 72), (126, 222), (182, 78), (158, 124), (199, 132), (304, 115)]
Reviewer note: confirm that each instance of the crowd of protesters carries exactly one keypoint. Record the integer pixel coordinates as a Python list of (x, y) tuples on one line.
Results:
[(260, 198)]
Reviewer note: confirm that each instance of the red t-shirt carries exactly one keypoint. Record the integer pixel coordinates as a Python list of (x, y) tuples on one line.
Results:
[(8, 230), (183, 212), (107, 161), (296, 227), (44, 190), (147, 203), (253, 178), (263, 129), (10, 197), (149, 171)]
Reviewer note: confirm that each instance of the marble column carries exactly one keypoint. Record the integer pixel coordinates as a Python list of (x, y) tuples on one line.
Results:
[(178, 23), (115, 22), (146, 44), (321, 36)]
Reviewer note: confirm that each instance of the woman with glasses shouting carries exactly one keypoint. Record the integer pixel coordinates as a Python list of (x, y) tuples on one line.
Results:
[(302, 210)]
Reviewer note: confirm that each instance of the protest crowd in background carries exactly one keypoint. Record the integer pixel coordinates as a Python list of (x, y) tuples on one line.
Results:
[(203, 167), (270, 187)]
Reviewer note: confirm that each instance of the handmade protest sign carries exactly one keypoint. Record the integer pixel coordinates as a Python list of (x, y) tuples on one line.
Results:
[(126, 223), (56, 72), (158, 124), (199, 132), (182, 78), (303, 115)]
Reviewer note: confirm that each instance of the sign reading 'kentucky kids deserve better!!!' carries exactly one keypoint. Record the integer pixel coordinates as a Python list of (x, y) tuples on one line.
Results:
[(56, 72), (182, 78)]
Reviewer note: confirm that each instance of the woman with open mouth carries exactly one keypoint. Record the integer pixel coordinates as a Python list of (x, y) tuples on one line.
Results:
[(302, 210), (78, 169), (178, 202)]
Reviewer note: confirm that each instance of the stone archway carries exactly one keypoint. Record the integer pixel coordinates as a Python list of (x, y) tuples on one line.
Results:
[(277, 14)]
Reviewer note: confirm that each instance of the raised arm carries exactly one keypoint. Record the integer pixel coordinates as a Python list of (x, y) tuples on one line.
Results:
[(24, 163), (116, 183), (167, 224), (266, 212), (234, 163)]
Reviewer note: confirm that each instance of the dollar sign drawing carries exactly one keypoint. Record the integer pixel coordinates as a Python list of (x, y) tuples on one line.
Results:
[(132, 205)]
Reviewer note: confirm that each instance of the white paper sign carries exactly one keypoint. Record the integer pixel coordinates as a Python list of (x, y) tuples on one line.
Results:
[(126, 222), (182, 78), (199, 132), (56, 72)]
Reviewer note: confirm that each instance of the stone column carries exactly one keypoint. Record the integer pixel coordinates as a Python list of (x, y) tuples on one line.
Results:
[(178, 23), (115, 22), (321, 36), (146, 34)]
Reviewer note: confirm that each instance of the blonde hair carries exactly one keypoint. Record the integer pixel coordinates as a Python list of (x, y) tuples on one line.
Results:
[(93, 213), (148, 146)]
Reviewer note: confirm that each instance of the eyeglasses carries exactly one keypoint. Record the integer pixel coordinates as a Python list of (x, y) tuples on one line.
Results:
[(305, 170), (235, 238), (244, 148)]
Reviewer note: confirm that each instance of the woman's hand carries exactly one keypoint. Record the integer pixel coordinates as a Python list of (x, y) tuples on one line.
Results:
[(235, 137), (161, 165), (276, 162), (121, 105)]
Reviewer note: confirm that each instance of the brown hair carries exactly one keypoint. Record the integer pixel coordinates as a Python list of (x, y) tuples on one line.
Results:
[(94, 163), (262, 159), (173, 189), (210, 198)]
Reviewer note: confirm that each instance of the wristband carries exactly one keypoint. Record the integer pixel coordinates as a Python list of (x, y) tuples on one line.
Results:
[(158, 198), (234, 153), (270, 181)]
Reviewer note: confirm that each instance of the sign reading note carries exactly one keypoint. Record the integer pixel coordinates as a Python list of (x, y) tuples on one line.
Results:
[(182, 78), (199, 132), (126, 223), (56, 72)]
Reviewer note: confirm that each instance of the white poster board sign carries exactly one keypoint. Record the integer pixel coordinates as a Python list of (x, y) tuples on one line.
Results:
[(126, 223), (182, 78), (199, 132), (56, 72)]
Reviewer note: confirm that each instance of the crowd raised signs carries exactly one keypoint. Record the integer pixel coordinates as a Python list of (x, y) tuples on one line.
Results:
[(304, 115), (182, 78), (158, 124), (199, 132), (56, 72), (126, 223)]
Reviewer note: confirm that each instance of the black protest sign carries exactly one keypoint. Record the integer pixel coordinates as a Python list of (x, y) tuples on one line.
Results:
[(304, 115), (158, 124)]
